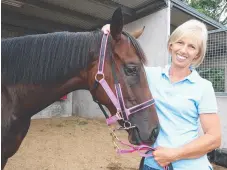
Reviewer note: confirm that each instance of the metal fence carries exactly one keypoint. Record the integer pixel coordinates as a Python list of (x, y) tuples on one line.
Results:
[(214, 67)]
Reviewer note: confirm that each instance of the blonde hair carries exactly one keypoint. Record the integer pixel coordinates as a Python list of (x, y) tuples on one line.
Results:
[(196, 28)]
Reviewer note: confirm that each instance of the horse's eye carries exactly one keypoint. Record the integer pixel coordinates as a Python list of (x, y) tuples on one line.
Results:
[(131, 70)]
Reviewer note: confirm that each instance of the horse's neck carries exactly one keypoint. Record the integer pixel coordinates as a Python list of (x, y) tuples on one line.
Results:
[(30, 99)]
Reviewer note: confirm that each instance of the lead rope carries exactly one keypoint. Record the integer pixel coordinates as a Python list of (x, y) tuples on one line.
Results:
[(134, 148)]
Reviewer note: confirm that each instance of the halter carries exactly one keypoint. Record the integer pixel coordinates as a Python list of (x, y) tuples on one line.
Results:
[(118, 101)]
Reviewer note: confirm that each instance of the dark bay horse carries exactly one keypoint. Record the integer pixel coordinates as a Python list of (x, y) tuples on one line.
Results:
[(39, 69)]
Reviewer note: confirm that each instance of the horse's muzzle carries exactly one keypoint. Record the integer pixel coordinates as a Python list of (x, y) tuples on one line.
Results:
[(135, 137)]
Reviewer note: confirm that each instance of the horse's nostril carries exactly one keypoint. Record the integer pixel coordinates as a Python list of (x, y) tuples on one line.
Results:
[(154, 134), (134, 136)]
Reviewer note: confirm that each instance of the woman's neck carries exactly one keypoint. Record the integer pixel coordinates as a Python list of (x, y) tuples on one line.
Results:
[(177, 74)]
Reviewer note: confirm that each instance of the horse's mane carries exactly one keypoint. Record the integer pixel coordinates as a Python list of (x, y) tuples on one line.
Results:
[(47, 57), (137, 47), (51, 58)]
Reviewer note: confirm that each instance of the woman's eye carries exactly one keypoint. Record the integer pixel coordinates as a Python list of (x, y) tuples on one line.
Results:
[(180, 42), (191, 46)]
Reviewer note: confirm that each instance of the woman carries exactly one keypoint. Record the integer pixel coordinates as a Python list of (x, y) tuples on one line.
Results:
[(183, 99)]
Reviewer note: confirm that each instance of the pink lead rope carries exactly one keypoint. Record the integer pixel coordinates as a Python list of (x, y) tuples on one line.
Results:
[(134, 148)]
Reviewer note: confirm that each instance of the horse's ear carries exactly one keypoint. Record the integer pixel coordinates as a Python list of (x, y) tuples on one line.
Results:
[(116, 25), (138, 33)]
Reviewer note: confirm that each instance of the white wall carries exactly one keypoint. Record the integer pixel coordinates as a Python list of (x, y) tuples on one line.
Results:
[(57, 109), (155, 36), (84, 106)]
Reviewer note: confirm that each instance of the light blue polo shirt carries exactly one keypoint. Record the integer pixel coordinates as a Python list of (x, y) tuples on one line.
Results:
[(178, 107)]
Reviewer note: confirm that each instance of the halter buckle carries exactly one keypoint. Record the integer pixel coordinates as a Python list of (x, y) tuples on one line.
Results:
[(101, 76)]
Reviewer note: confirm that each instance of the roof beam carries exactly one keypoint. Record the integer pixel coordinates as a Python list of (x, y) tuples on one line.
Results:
[(125, 10), (19, 30), (147, 8), (64, 11), (34, 23), (151, 8)]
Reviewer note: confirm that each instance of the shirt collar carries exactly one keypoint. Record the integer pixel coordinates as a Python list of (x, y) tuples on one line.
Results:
[(192, 77)]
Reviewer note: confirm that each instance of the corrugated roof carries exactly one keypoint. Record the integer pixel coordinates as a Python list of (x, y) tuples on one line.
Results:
[(82, 15), (74, 15)]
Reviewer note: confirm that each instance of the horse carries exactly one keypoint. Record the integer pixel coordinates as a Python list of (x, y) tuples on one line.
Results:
[(110, 66)]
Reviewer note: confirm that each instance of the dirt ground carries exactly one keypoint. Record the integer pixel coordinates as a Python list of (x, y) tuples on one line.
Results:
[(71, 144)]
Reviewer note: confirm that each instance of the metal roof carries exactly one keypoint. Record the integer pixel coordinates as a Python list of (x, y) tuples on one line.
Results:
[(86, 15), (72, 15)]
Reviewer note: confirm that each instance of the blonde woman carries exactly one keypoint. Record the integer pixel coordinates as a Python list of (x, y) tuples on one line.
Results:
[(183, 99)]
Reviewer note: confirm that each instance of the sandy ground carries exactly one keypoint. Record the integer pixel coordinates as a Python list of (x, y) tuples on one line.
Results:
[(71, 144)]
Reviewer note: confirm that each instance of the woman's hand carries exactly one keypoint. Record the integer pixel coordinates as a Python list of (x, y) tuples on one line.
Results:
[(164, 156), (106, 28)]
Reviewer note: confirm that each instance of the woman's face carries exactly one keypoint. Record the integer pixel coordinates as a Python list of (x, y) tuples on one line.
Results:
[(184, 51)]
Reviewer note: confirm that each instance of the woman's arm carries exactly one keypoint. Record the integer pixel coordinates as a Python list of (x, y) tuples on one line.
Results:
[(209, 141)]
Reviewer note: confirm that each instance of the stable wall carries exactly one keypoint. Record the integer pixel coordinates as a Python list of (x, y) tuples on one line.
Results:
[(61, 108)]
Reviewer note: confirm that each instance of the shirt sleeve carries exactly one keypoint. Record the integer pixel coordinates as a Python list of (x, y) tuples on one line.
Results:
[(152, 73), (208, 102)]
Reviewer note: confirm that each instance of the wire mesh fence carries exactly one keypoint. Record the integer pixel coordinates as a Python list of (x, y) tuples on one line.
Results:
[(214, 66)]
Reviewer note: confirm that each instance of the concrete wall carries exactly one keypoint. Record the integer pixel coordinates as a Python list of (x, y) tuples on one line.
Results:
[(153, 41), (57, 109), (155, 36), (84, 106)]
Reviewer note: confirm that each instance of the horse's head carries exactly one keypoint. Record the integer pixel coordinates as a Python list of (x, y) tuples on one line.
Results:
[(132, 100)]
